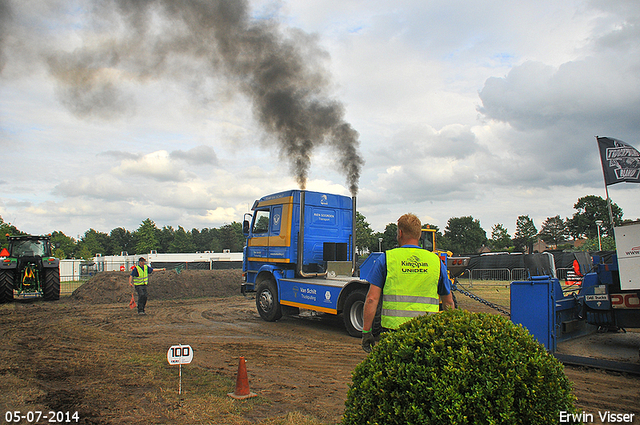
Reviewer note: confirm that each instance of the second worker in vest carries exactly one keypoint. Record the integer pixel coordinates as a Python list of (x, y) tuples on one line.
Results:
[(409, 281), (139, 279)]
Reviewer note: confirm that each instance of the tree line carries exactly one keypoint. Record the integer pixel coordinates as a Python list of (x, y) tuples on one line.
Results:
[(462, 235), (148, 237), (465, 235)]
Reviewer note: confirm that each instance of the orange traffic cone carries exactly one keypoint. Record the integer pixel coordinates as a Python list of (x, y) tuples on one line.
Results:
[(242, 383), (132, 303)]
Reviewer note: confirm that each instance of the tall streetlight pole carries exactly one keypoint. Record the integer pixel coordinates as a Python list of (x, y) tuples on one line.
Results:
[(599, 223)]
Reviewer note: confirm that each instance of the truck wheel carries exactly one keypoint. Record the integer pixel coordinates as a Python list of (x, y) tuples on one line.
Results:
[(6, 286), (353, 311), (267, 301), (51, 288)]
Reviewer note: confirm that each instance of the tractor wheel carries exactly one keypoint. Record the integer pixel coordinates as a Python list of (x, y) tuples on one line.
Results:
[(6, 286), (51, 288), (267, 301)]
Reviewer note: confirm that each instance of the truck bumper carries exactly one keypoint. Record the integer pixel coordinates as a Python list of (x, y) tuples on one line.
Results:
[(247, 287)]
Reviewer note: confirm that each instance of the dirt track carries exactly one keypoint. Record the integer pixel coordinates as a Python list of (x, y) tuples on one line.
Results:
[(58, 354)]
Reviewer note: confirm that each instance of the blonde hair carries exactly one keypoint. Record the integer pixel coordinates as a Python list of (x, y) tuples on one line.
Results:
[(410, 225)]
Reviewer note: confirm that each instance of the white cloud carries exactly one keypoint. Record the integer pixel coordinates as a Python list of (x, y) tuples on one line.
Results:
[(221, 215), (156, 165), (462, 108)]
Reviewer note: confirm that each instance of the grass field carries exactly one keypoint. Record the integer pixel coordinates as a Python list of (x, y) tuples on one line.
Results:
[(495, 291)]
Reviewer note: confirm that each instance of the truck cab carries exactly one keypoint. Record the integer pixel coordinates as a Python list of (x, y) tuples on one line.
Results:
[(300, 253)]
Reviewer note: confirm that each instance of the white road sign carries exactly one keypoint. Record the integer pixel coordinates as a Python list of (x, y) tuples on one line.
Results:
[(180, 354)]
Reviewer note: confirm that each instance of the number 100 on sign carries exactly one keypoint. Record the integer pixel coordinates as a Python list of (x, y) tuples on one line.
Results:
[(180, 354)]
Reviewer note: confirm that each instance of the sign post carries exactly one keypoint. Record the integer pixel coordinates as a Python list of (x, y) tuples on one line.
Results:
[(180, 354)]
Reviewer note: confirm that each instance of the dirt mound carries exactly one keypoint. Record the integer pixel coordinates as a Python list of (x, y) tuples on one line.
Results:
[(113, 287)]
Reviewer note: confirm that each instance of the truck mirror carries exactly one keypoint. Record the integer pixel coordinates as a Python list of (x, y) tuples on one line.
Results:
[(245, 227)]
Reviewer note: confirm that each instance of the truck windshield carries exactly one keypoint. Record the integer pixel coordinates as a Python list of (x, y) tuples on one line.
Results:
[(27, 249)]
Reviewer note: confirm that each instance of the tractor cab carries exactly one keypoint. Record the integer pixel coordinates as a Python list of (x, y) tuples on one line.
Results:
[(455, 265), (428, 239), (428, 242)]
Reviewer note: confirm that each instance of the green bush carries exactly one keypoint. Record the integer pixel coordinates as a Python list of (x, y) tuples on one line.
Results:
[(455, 368)]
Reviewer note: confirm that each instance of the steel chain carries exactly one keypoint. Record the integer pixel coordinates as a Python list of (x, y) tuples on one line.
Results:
[(479, 299)]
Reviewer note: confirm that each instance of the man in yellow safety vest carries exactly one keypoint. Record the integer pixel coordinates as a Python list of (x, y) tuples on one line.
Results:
[(139, 279), (410, 280)]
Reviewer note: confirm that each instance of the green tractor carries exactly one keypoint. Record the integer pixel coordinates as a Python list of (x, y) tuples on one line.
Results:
[(29, 268)]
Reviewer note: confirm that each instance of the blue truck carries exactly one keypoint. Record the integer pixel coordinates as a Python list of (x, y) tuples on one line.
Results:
[(300, 254)]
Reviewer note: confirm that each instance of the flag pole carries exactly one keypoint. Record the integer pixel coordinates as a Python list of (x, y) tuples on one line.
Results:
[(606, 189)]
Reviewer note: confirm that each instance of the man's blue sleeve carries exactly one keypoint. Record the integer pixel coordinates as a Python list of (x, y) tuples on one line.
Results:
[(134, 272), (378, 273), (444, 284)]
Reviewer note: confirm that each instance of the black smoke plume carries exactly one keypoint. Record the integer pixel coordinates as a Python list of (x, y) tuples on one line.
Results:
[(278, 69)]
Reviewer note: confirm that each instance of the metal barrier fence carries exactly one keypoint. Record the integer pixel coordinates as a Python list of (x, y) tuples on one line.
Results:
[(494, 274), (500, 275), (562, 273), (74, 273), (67, 286)]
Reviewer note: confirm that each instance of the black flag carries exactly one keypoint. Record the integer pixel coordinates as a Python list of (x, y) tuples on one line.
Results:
[(620, 161)]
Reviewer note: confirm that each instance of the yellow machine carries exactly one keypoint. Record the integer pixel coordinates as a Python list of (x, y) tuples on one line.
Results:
[(455, 265), (428, 241)]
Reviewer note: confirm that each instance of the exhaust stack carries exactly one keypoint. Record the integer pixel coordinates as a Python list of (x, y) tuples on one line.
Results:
[(353, 235)]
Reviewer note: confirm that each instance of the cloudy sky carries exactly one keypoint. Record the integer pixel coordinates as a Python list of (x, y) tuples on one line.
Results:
[(186, 111)]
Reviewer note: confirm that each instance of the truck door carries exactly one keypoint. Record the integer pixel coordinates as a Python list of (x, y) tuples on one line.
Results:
[(269, 241), (258, 244)]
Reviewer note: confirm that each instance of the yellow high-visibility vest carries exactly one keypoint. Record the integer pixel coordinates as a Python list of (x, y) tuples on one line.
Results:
[(143, 276), (411, 287)]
